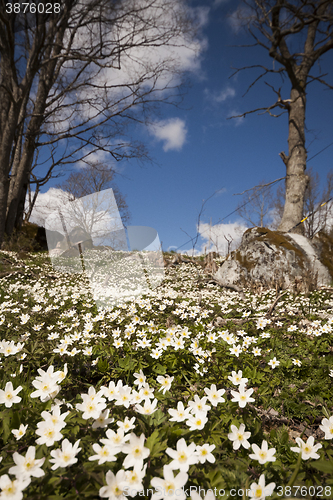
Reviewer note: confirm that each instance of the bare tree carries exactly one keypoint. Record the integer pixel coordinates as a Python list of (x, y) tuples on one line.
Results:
[(279, 26), (93, 179), (318, 214), (256, 205), (75, 80), (229, 242)]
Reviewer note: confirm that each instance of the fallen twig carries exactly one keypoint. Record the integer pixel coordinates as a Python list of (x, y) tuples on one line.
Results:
[(267, 416), (223, 321), (231, 287), (275, 302)]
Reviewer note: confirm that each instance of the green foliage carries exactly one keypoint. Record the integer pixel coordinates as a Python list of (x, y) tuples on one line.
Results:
[(288, 398)]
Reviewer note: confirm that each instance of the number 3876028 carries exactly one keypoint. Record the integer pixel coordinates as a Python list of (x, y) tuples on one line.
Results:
[(33, 8)]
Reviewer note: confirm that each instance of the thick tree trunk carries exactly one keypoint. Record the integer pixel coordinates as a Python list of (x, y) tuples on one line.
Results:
[(19, 187), (297, 180), (8, 132), (4, 186), (13, 100), (21, 205), (23, 165)]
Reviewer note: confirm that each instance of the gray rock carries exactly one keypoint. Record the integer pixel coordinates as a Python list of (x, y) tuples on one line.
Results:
[(324, 276), (270, 258)]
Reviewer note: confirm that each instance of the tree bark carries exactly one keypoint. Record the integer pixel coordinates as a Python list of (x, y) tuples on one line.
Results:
[(21, 204), (24, 161), (297, 180), (9, 113)]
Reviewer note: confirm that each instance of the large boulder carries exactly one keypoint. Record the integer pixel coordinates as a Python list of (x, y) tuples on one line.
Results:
[(272, 258)]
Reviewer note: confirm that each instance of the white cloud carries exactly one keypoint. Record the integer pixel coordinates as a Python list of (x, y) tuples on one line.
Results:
[(217, 3), (220, 96), (191, 252), (240, 18), (150, 59), (46, 203), (171, 131), (215, 236), (95, 157), (237, 121), (224, 94), (214, 239)]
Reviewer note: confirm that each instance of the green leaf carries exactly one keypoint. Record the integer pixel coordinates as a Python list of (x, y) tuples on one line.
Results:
[(158, 417), (158, 449), (75, 430), (216, 438), (323, 466), (155, 446), (152, 440), (16, 421), (273, 434), (102, 365), (5, 427), (284, 438), (54, 481), (160, 369)]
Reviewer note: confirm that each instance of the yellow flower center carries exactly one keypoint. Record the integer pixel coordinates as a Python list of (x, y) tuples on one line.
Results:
[(117, 491), (10, 489), (169, 486)]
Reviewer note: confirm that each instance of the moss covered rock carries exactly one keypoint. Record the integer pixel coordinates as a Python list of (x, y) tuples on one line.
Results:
[(272, 258)]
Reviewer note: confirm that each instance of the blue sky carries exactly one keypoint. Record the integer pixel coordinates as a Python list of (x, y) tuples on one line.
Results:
[(198, 151)]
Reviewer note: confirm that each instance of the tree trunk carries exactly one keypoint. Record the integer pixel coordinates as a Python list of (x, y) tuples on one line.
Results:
[(21, 205), (4, 186), (31, 202), (19, 187), (297, 180), (5, 180), (23, 166)]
